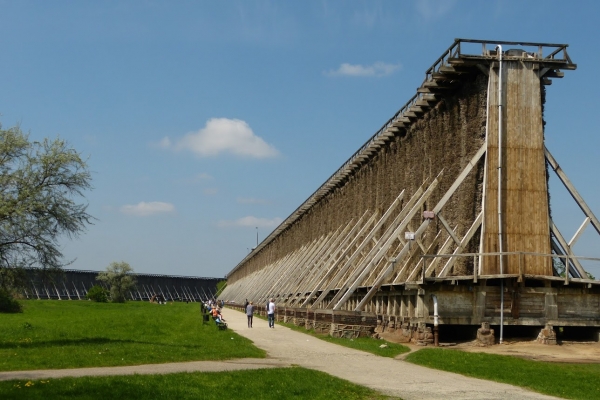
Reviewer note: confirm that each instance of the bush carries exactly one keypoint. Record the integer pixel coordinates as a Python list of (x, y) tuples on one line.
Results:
[(98, 294), (8, 303)]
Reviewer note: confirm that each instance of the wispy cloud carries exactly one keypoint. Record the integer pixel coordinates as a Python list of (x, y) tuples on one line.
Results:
[(196, 179), (251, 200), (434, 9), (222, 135), (377, 70), (251, 222), (210, 191), (144, 209)]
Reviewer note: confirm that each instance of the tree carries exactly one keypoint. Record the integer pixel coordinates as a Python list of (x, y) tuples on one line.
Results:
[(221, 285), (41, 186), (119, 276), (97, 294)]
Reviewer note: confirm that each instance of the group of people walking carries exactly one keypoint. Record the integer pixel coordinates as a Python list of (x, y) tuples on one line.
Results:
[(249, 306)]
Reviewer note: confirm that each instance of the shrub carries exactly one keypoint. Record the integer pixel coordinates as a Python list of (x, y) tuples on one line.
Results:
[(119, 275), (8, 303), (98, 293)]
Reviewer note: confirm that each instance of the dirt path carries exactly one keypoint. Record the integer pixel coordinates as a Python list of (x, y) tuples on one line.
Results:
[(286, 347)]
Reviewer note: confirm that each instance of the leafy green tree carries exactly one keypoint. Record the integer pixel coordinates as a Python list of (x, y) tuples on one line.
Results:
[(221, 285), (8, 304), (119, 276), (98, 294), (41, 188)]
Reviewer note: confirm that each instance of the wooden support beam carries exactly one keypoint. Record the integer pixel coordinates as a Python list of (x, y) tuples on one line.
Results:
[(423, 104), (448, 229), (413, 273), (355, 234), (463, 243), (577, 234), (362, 271), (360, 248), (313, 265), (571, 188), (443, 250), (565, 246), (305, 265), (425, 223), (328, 255)]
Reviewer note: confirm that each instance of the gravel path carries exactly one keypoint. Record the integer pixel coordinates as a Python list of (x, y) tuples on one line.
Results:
[(286, 347)]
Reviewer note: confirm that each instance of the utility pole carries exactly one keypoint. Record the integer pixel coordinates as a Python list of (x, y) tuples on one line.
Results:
[(257, 236)]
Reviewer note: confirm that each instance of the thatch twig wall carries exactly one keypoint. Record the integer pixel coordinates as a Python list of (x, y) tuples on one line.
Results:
[(445, 138)]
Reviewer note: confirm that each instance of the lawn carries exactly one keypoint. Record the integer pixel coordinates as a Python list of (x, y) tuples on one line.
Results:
[(74, 334), (570, 381), (276, 384)]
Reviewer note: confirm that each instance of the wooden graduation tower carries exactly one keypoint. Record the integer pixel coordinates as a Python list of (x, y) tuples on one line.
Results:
[(442, 216)]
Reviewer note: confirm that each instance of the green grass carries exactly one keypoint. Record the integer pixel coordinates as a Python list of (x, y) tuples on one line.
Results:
[(367, 344), (74, 334), (276, 384), (571, 381)]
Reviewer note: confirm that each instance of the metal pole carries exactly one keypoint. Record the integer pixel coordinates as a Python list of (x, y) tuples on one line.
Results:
[(435, 321), (500, 244)]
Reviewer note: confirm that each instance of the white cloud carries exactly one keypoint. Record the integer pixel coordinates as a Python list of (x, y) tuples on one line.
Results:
[(223, 135), (251, 222), (144, 209), (210, 191), (251, 200), (377, 69), (434, 9), (165, 143)]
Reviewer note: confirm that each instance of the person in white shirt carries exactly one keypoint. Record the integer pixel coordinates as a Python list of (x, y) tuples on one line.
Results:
[(271, 313)]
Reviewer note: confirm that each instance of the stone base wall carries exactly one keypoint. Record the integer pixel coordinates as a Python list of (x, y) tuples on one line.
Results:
[(322, 321), (485, 335), (350, 331), (547, 335), (309, 322), (403, 332)]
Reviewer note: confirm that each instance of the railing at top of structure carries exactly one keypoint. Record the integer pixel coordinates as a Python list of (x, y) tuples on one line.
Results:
[(565, 264), (454, 52)]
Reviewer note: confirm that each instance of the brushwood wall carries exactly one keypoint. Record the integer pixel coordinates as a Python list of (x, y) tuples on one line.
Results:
[(444, 138)]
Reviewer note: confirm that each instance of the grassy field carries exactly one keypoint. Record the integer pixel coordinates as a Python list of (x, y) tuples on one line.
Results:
[(570, 381), (276, 384), (74, 334)]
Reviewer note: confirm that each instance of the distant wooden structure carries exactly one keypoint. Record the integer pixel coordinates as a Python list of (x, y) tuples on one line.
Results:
[(445, 209), (72, 284)]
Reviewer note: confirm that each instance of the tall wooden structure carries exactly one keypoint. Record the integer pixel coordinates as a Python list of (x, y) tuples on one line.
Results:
[(445, 208)]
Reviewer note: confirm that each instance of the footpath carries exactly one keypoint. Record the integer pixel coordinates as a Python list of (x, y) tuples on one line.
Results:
[(286, 347)]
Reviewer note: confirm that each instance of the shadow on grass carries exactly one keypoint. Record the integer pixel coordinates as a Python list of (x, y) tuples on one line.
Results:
[(86, 341)]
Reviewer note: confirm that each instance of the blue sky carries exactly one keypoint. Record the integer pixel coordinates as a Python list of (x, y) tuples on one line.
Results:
[(205, 120)]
